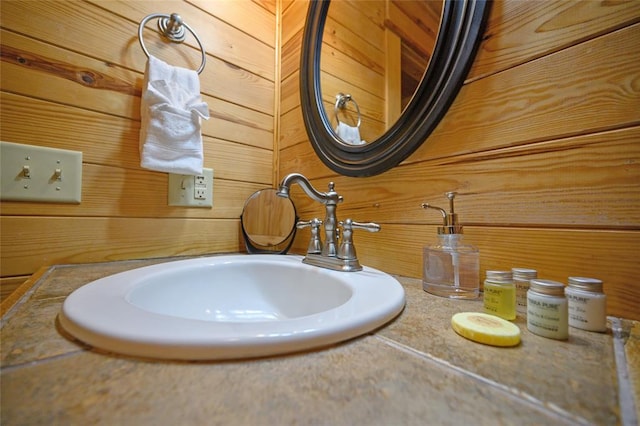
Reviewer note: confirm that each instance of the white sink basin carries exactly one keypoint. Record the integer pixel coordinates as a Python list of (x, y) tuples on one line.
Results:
[(231, 306)]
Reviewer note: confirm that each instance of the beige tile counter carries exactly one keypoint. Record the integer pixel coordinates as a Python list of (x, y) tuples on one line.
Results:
[(415, 370)]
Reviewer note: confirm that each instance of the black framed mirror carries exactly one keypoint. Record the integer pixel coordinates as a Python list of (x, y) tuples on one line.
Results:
[(461, 28)]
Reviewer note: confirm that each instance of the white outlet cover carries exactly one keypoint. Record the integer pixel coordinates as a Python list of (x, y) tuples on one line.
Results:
[(182, 190)]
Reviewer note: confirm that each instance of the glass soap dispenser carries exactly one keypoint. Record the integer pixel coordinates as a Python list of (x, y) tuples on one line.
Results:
[(451, 268)]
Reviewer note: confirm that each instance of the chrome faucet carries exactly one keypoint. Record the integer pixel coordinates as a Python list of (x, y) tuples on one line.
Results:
[(330, 199), (329, 256)]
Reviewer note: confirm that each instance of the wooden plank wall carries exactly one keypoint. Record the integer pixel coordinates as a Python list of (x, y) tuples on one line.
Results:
[(71, 78), (542, 144)]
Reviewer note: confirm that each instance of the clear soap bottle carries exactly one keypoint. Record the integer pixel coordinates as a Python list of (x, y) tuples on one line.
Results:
[(451, 268)]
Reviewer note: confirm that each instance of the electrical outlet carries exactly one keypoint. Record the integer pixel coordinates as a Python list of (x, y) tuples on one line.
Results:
[(191, 191), (200, 188), (40, 174)]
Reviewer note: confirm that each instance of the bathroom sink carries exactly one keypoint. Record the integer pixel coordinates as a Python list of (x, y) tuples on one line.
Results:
[(229, 306)]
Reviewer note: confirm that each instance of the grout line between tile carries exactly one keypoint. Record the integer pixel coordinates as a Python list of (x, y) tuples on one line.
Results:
[(26, 296), (625, 390), (511, 392), (36, 362)]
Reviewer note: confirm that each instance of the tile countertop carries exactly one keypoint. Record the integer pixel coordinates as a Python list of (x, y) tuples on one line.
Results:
[(415, 370)]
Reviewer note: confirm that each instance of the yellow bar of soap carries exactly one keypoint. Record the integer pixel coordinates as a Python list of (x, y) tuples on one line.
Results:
[(485, 328)]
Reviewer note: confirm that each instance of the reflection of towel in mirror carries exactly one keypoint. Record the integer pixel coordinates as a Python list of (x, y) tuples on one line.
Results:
[(171, 109), (349, 134)]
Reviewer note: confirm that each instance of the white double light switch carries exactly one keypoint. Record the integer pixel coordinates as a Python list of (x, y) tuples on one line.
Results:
[(40, 174)]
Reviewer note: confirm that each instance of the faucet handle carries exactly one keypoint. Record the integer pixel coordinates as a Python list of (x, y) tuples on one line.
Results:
[(347, 250), (315, 244), (369, 226)]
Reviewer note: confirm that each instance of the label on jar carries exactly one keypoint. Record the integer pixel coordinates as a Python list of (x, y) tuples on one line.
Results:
[(587, 312), (500, 300), (521, 295), (547, 316)]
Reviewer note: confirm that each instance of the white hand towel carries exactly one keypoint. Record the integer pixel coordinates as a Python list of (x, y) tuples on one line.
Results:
[(349, 134), (171, 109)]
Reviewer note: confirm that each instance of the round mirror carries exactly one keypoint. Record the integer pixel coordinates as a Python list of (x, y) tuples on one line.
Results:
[(397, 120), (268, 222)]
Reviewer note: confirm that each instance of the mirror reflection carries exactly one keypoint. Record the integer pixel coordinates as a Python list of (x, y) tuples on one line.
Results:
[(373, 57), (268, 222), (395, 125)]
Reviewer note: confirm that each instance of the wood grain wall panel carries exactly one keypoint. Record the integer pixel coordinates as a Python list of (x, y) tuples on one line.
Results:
[(71, 78), (220, 79), (116, 192), (541, 144), (497, 112), (301, 156), (589, 181), (236, 123), (105, 139), (35, 241), (239, 162), (290, 94), (287, 3), (293, 132), (268, 5), (586, 88), (291, 56), (520, 31), (293, 18), (221, 39), (90, 132), (109, 22), (255, 18), (50, 74), (70, 24)]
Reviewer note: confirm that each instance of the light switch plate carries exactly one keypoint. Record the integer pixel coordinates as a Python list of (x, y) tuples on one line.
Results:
[(40, 174), (191, 191)]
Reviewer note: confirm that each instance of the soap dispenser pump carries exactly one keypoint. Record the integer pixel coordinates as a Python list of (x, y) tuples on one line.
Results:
[(451, 268)]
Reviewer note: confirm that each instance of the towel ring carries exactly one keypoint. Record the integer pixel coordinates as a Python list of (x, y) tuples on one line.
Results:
[(173, 28), (341, 102)]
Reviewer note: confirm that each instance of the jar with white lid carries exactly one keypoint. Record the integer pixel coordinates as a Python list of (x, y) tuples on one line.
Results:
[(587, 304), (521, 279), (547, 309)]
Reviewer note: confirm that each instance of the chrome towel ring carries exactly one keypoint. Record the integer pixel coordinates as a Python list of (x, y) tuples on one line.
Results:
[(173, 28), (341, 102)]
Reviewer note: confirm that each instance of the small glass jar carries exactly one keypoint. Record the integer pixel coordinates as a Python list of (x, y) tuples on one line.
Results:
[(521, 278), (547, 309), (587, 304), (500, 294)]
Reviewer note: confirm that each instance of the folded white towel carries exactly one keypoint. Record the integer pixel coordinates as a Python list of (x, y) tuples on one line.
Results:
[(171, 109), (349, 134)]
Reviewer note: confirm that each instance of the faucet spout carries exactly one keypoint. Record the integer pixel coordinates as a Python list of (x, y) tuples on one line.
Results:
[(330, 199)]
